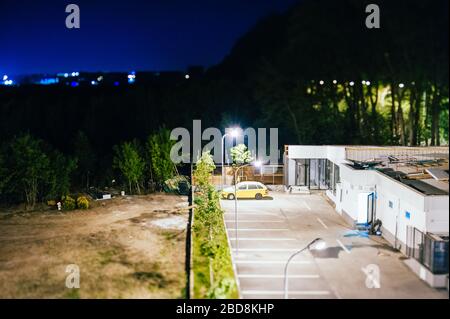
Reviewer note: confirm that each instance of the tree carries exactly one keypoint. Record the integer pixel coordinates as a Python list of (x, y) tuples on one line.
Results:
[(158, 149), (28, 167), (85, 155), (3, 173), (130, 164), (240, 155), (59, 177), (203, 171)]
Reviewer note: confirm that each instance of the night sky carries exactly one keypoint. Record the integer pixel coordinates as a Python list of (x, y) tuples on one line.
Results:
[(124, 35)]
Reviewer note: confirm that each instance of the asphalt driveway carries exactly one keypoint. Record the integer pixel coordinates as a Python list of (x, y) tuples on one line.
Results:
[(269, 231)]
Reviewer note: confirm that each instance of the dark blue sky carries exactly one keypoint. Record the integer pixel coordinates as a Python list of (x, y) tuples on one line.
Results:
[(124, 35)]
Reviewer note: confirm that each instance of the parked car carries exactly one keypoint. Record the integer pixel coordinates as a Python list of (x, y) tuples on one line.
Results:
[(254, 190)]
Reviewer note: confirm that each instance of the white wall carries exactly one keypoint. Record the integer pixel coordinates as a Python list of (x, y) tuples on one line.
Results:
[(437, 214), (397, 205), (307, 151), (409, 206)]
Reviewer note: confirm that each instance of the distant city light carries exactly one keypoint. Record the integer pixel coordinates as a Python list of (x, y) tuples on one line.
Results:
[(66, 75), (401, 85), (93, 82), (74, 73), (187, 76), (48, 81), (367, 82), (363, 82), (321, 82), (131, 77), (334, 81), (5, 77), (74, 84), (8, 82), (100, 78), (352, 83)]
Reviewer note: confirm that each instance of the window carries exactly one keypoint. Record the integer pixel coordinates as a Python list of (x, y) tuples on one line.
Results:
[(391, 204), (259, 186), (242, 187), (252, 186)]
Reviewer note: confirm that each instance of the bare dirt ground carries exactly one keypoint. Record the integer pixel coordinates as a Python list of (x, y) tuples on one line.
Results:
[(128, 247)]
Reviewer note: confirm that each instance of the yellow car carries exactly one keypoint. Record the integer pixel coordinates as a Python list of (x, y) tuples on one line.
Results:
[(254, 190)]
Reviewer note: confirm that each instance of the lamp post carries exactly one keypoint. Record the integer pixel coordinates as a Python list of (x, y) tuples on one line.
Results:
[(257, 164), (234, 133), (316, 244)]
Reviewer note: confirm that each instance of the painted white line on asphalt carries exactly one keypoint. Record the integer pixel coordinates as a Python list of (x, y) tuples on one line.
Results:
[(307, 206), (281, 262), (254, 221), (323, 224), (291, 292), (258, 229), (343, 247), (279, 276), (263, 238)]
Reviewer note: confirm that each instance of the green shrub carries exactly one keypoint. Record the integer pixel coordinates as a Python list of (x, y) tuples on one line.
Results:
[(212, 266), (69, 203), (82, 202)]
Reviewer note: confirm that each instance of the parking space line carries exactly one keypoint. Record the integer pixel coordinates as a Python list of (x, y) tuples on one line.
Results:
[(279, 276), (322, 223), (343, 247), (291, 292), (307, 206)]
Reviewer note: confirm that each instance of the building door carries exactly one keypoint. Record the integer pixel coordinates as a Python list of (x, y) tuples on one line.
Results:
[(302, 172), (314, 173), (365, 208)]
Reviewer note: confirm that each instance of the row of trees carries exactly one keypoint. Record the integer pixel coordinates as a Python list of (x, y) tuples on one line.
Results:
[(151, 162), (31, 170), (322, 77)]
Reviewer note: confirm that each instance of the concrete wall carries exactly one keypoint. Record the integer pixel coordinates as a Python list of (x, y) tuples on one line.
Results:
[(307, 151), (397, 205), (437, 214), (336, 154)]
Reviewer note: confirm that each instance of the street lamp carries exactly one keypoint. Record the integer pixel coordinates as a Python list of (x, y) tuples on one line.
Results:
[(316, 244), (256, 164), (234, 133)]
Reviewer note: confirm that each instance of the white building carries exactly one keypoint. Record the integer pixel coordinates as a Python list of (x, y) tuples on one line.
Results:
[(406, 188)]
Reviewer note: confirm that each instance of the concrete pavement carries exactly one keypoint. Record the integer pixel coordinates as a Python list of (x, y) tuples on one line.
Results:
[(269, 231)]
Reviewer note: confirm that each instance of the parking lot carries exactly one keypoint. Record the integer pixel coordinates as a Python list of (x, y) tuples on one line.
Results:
[(269, 231)]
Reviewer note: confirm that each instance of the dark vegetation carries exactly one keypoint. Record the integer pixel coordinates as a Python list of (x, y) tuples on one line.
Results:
[(271, 78)]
